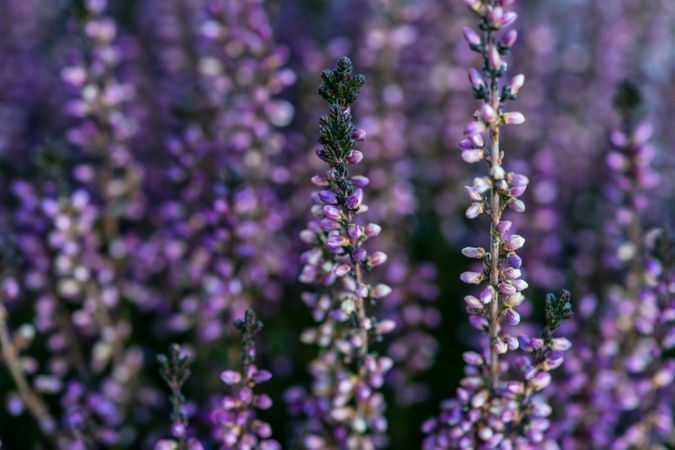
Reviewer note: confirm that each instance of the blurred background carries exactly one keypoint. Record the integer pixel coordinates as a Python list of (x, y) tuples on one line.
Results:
[(155, 158)]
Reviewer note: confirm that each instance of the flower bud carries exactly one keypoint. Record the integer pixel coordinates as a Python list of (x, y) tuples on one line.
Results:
[(474, 210), (488, 113), (354, 157), (377, 258), (503, 227), (328, 197), (359, 135), (511, 317), (508, 39), (472, 156), (372, 230), (516, 84), (230, 377), (472, 277), (341, 270), (517, 205), (472, 358), (473, 302), (332, 212), (514, 242), (514, 260), (540, 381), (499, 346), (355, 200), (476, 79), (513, 118), (360, 181), (473, 252), (381, 291), (472, 38), (487, 295), (494, 59)]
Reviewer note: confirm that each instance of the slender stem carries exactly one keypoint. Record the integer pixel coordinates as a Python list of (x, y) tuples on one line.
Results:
[(495, 218), (32, 401)]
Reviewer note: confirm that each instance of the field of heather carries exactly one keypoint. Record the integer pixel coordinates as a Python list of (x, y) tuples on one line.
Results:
[(337, 224)]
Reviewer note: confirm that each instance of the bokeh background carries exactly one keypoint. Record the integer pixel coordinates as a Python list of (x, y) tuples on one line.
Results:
[(156, 206)]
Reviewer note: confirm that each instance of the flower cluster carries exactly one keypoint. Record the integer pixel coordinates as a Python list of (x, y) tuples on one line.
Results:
[(630, 371), (175, 371), (345, 409), (236, 426), (492, 408)]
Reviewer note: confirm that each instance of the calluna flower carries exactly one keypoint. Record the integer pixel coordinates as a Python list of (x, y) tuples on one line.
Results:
[(175, 371), (620, 374), (345, 409), (236, 425), (498, 404)]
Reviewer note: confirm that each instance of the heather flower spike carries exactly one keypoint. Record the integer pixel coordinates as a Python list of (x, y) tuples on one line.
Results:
[(236, 422), (631, 334), (344, 410), (498, 405), (175, 371)]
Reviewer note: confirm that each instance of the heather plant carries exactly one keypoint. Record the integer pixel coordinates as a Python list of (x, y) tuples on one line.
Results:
[(621, 355), (344, 409), (175, 371), (498, 403), (234, 422), (153, 154)]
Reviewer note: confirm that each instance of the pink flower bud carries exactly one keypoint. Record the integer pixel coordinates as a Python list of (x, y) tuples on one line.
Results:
[(332, 212), (503, 227), (494, 59), (540, 381), (472, 277), (511, 317), (517, 83), (517, 205), (514, 242), (359, 135), (476, 79), (472, 358), (474, 210), (471, 37), (500, 346), (230, 377), (472, 156), (487, 295), (377, 258), (341, 270), (513, 118), (473, 302), (473, 252), (372, 230), (381, 291), (488, 113), (354, 157), (508, 39)]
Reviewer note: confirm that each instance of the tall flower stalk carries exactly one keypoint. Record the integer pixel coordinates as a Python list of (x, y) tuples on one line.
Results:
[(236, 425), (175, 371), (498, 405), (345, 410), (621, 355)]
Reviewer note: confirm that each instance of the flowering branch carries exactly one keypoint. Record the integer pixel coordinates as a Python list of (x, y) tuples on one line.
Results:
[(347, 372), (237, 427), (491, 410), (175, 371)]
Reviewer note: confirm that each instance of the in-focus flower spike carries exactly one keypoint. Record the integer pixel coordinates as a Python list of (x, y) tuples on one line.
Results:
[(345, 410), (498, 404), (236, 425)]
